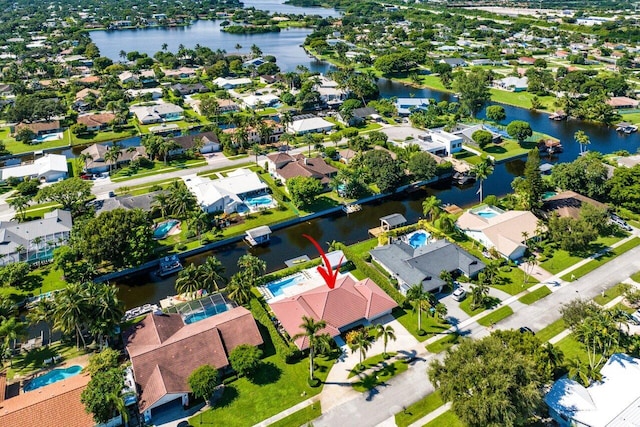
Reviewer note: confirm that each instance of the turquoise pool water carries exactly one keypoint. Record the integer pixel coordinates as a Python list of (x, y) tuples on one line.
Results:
[(209, 311), (163, 229), (276, 287), (486, 213), (548, 194), (53, 377), (259, 201), (418, 239)]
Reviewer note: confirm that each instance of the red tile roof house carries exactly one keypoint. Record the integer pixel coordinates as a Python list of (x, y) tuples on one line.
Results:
[(164, 351), (284, 166), (622, 102), (53, 405), (347, 305)]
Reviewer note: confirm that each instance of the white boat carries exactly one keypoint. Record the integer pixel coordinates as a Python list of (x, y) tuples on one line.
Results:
[(351, 208), (139, 311), (631, 129), (169, 265)]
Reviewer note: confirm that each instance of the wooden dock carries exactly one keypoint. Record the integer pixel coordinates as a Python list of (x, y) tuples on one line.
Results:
[(375, 232)]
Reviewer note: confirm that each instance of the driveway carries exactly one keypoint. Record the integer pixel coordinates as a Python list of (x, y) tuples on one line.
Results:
[(401, 132)]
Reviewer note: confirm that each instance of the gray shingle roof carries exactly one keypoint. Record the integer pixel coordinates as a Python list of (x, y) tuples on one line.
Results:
[(394, 219)]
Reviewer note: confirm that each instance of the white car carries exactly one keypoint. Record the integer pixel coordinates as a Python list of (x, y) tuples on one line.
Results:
[(459, 294)]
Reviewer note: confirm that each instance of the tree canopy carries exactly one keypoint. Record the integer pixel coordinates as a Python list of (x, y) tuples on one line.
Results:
[(71, 193), (472, 90), (381, 169), (203, 381), (303, 190), (423, 166), (519, 130)]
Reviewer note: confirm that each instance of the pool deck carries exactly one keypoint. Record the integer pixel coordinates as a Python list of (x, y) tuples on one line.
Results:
[(312, 281)]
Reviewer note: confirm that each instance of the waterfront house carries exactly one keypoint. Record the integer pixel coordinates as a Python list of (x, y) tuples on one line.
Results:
[(622, 102), (231, 83), (568, 204), (308, 123), (612, 401), (423, 264), (406, 106), (40, 128), (506, 231), (95, 161), (439, 142), (514, 84), (330, 92), (188, 89), (359, 116), (180, 73), (34, 241), (466, 132), (454, 62), (262, 101), (164, 350), (209, 141), (50, 167), (283, 166), (96, 122), (348, 305), (164, 112)]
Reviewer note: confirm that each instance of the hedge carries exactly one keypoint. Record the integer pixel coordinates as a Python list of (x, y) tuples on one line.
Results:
[(287, 351)]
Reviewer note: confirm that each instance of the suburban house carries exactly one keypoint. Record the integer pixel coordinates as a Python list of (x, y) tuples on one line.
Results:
[(209, 142), (40, 128), (164, 350), (260, 101), (53, 405), (96, 122), (514, 84), (95, 161), (284, 166), (230, 83), (622, 102), (188, 89), (439, 142), (406, 106), (330, 92), (613, 401), (80, 104), (146, 202), (152, 93), (143, 76), (346, 155), (158, 113), (254, 136), (454, 62), (466, 132), (349, 304), (34, 241), (225, 194), (180, 73), (568, 204), (424, 264), (526, 60), (507, 232), (50, 167), (308, 123), (359, 116)]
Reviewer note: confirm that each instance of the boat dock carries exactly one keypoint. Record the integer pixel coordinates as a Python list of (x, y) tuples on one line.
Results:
[(258, 236), (352, 208), (169, 265)]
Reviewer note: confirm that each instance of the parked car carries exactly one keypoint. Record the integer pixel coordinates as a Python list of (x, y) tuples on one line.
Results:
[(635, 318), (526, 329), (459, 294), (620, 222), (112, 194)]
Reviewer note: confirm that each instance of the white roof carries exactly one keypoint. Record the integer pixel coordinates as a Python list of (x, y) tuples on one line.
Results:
[(253, 100), (204, 190), (223, 81), (515, 81), (612, 402), (42, 166), (240, 181), (306, 125)]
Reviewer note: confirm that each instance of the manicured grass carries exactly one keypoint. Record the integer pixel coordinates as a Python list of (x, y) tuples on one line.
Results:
[(489, 303), (362, 248), (301, 417), (534, 296), (271, 216), (25, 364), (550, 331), (381, 375), (624, 307), (368, 363), (16, 147), (128, 173), (43, 280), (512, 281), (593, 264), (419, 409), (496, 316), (611, 293), (636, 277), (442, 344), (521, 99), (225, 169), (562, 259), (447, 419), (103, 136), (572, 348), (429, 324)]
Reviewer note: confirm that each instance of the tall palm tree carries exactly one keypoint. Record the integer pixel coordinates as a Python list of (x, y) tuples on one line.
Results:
[(199, 221), (20, 205), (181, 201), (112, 155), (10, 330), (361, 342), (252, 267), (188, 281), (310, 330), (479, 293), (42, 312), (482, 171), (431, 207), (72, 309), (446, 223), (583, 139), (239, 288), (211, 274), (107, 310), (160, 201), (165, 147), (418, 298), (387, 333)]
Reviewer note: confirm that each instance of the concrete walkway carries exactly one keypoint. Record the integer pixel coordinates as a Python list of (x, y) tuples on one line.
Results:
[(287, 412), (431, 415)]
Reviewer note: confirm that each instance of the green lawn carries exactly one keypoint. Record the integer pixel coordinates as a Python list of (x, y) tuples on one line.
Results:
[(25, 364), (636, 277), (43, 280), (211, 172), (301, 417), (550, 331), (521, 99), (611, 293), (562, 259), (429, 324), (593, 264), (128, 172), (369, 362), (381, 375), (103, 136), (489, 303), (496, 316), (16, 147), (419, 409), (572, 348), (448, 419), (534, 296), (444, 343)]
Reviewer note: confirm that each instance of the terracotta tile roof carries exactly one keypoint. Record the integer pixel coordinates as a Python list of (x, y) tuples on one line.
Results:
[(3, 385), (314, 167), (39, 126), (569, 203), (348, 302), (54, 405), (90, 79), (91, 120), (164, 351)]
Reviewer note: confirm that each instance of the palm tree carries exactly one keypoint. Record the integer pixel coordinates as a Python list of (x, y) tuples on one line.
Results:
[(361, 342), (310, 329), (238, 47), (387, 333), (112, 155), (199, 221), (71, 312), (164, 47), (478, 294), (42, 312), (482, 171), (160, 201), (19, 205), (252, 267), (188, 281), (554, 357), (239, 288), (309, 140), (583, 139), (165, 147), (10, 330), (211, 274), (431, 207), (181, 201), (446, 223), (107, 310), (418, 298)]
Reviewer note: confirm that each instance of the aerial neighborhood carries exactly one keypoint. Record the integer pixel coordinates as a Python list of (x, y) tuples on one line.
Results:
[(319, 213)]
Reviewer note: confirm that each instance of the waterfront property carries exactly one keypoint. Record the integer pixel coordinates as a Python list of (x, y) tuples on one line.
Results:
[(40, 129), (54, 405), (258, 236), (96, 162), (504, 231), (414, 260), (349, 304), (164, 349), (406, 106), (231, 83), (34, 241), (439, 142), (142, 201), (52, 377), (308, 123), (284, 166), (96, 122), (568, 204), (613, 401), (50, 167), (208, 143), (158, 113)]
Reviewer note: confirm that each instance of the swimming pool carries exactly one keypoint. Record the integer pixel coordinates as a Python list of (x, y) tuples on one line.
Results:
[(163, 228), (548, 194), (48, 137), (418, 238), (486, 213), (259, 201), (277, 287), (53, 376), (209, 311)]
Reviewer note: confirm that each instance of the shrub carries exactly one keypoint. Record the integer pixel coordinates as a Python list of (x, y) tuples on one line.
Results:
[(190, 234), (245, 359), (286, 351)]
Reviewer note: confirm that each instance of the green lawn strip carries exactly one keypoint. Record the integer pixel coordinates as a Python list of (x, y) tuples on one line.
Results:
[(466, 307), (48, 279), (611, 293), (513, 281), (224, 169), (595, 263), (636, 277), (135, 188), (301, 417), (623, 307), (447, 419), (271, 216), (358, 274), (370, 362), (572, 348), (551, 330), (16, 147), (534, 296), (102, 136), (521, 99), (429, 324), (24, 364), (381, 375), (496, 316), (449, 340), (419, 409), (129, 173), (562, 259)]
